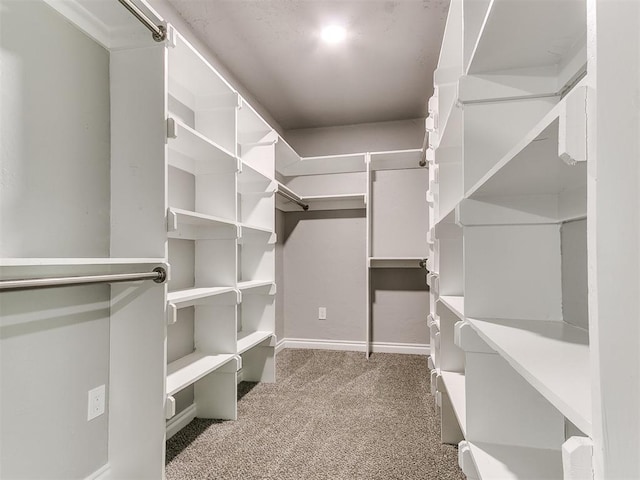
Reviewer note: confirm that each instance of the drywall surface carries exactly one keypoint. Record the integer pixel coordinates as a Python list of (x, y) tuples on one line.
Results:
[(54, 343), (574, 273), (55, 137), (365, 137), (324, 266), (399, 305)]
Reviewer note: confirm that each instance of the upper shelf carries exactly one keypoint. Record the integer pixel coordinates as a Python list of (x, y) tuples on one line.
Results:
[(552, 356), (530, 33), (548, 162), (193, 80), (352, 162), (396, 159), (396, 262)]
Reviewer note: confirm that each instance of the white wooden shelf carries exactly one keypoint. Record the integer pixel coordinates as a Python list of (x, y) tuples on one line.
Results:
[(505, 462), (190, 225), (248, 340), (324, 202), (201, 153), (197, 295), (256, 285), (396, 159), (396, 262), (454, 303), (553, 356), (191, 368), (455, 385), (285, 156), (354, 162), (335, 202), (528, 33), (534, 169), (252, 181)]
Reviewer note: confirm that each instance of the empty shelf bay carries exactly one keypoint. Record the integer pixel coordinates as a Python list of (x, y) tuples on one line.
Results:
[(454, 303), (248, 340), (192, 144), (455, 385), (188, 370), (553, 356), (514, 462)]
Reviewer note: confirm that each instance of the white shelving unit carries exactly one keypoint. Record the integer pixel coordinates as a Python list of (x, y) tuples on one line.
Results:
[(517, 328), (220, 161), (395, 230)]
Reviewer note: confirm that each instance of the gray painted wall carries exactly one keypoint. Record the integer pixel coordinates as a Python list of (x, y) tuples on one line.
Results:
[(324, 266), (366, 137), (574, 273), (55, 203), (325, 251)]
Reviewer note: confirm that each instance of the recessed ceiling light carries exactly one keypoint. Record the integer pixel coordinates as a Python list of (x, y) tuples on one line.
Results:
[(333, 34)]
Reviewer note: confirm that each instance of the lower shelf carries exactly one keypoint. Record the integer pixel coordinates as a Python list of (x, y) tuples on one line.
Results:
[(191, 368), (248, 340), (511, 462), (455, 385)]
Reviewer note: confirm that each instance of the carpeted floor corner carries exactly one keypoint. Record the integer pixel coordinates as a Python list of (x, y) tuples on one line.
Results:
[(330, 415)]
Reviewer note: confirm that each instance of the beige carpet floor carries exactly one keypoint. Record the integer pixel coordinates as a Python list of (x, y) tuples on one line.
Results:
[(330, 415)]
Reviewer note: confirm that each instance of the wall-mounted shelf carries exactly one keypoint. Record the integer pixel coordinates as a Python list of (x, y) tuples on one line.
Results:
[(198, 154), (189, 225), (354, 162), (191, 368), (248, 340), (454, 303), (396, 262), (396, 160), (560, 374), (202, 295), (508, 462), (529, 34), (454, 382)]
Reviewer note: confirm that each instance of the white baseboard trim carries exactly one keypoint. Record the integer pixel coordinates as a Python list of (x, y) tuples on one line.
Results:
[(100, 474), (353, 346), (281, 345), (181, 420)]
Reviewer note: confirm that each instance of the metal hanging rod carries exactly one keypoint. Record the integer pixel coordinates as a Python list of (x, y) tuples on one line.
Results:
[(158, 32), (158, 275), (289, 195)]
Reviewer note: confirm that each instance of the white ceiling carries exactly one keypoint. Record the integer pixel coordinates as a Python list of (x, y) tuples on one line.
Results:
[(382, 72)]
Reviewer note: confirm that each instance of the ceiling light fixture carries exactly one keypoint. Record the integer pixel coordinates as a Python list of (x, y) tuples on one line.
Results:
[(333, 34)]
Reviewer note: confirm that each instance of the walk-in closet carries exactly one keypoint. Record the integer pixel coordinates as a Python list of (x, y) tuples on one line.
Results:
[(319, 239)]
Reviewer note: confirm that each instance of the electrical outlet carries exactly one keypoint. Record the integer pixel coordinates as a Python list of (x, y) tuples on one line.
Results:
[(95, 406), (322, 313)]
